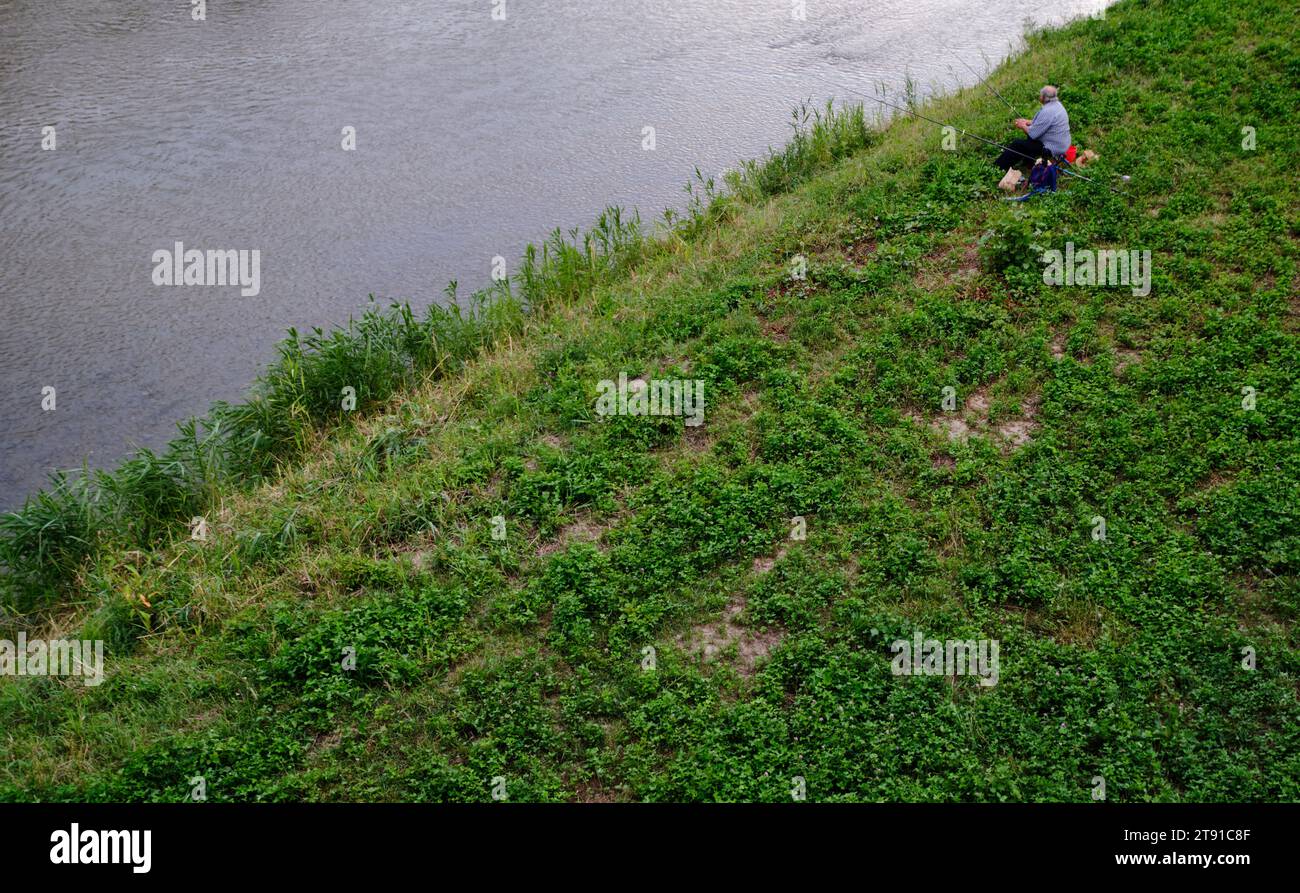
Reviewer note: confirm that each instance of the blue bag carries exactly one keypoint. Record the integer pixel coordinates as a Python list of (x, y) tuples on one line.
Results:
[(1043, 177)]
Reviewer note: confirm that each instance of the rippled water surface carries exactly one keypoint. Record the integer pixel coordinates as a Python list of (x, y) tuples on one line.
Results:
[(474, 136)]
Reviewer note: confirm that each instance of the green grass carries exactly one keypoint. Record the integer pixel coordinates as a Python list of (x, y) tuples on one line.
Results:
[(369, 533)]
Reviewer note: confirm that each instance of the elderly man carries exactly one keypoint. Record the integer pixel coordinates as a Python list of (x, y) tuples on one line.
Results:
[(1048, 133)]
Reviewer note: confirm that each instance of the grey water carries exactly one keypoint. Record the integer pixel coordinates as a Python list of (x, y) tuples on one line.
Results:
[(474, 135)]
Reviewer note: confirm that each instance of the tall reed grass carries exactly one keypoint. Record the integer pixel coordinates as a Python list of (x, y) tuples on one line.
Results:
[(822, 137), (44, 544)]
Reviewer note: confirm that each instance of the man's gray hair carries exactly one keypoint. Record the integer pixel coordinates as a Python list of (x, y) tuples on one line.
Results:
[(1048, 92)]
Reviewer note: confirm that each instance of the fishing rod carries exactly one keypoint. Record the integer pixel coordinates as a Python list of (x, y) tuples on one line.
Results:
[(974, 136), (1014, 110)]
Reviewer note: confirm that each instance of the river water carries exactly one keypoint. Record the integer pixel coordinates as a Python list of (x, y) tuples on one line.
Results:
[(473, 136)]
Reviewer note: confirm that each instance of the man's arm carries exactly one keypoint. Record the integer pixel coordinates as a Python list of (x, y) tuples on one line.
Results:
[(1036, 128)]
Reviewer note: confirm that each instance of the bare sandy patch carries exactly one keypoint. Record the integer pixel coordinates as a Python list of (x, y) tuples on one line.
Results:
[(709, 641), (973, 421), (764, 563), (582, 530), (860, 252), (778, 330)]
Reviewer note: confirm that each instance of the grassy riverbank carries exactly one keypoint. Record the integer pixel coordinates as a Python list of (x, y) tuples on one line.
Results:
[(370, 533)]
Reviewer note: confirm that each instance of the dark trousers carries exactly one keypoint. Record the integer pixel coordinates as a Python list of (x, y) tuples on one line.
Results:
[(1017, 150)]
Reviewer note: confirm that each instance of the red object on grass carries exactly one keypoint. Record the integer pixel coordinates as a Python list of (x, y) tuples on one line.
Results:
[(1071, 153)]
